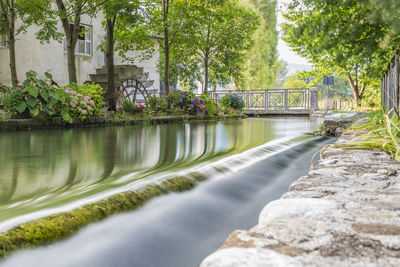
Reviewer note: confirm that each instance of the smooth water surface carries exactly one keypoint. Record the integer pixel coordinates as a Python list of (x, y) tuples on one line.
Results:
[(179, 230), (43, 172)]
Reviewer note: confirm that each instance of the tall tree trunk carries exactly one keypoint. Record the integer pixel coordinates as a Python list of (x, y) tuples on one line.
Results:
[(71, 38), (166, 67), (13, 63), (205, 89), (71, 62), (166, 45), (354, 88), (8, 17), (111, 92)]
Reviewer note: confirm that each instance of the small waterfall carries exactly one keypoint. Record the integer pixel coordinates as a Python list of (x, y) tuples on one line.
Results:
[(181, 229)]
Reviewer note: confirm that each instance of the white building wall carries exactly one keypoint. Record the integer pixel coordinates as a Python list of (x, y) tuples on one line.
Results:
[(50, 57)]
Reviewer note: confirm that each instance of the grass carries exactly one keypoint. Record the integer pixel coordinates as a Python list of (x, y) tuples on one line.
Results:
[(379, 130)]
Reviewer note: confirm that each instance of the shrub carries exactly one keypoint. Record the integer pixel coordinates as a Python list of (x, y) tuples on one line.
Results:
[(80, 106), (94, 91), (34, 97), (156, 104), (232, 101), (181, 100), (211, 106), (130, 107), (197, 105)]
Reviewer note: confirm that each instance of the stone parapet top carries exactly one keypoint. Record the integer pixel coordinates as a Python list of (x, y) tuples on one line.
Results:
[(345, 212)]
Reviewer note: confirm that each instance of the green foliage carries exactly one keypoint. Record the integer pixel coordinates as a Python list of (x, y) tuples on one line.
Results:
[(180, 100), (198, 40), (295, 81), (156, 104), (383, 132), (48, 14), (371, 99), (94, 91), (262, 64), (130, 107), (80, 106), (233, 101), (325, 32), (35, 97), (215, 41), (211, 107)]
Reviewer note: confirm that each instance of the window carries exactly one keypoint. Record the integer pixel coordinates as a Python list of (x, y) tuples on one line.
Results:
[(84, 44), (3, 40)]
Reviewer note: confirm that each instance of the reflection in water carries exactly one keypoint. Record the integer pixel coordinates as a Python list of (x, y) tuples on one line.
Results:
[(45, 169)]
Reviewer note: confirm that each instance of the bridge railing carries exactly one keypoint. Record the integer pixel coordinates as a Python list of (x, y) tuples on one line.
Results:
[(275, 99)]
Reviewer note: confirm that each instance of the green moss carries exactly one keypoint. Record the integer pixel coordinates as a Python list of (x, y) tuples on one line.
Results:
[(62, 225)]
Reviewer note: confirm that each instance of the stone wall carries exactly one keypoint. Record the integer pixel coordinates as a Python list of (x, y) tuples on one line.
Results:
[(334, 124), (345, 212)]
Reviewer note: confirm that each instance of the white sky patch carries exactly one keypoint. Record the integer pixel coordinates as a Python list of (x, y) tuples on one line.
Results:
[(285, 52)]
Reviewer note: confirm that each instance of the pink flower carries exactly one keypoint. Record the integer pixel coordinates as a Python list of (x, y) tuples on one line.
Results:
[(89, 108), (72, 104), (21, 86), (84, 111)]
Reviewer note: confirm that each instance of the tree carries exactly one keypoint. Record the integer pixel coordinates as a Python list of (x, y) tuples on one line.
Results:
[(161, 21), (114, 12), (385, 12), (8, 16), (262, 63), (46, 14), (325, 32), (218, 35), (296, 80)]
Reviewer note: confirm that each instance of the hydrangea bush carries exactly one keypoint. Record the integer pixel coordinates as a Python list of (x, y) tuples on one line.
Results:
[(80, 106), (181, 100), (197, 105), (94, 91), (232, 101)]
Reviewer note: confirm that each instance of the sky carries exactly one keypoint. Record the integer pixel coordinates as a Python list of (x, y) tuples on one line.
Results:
[(285, 53)]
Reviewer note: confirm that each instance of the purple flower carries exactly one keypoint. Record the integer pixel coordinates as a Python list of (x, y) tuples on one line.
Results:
[(202, 101), (72, 104), (191, 106)]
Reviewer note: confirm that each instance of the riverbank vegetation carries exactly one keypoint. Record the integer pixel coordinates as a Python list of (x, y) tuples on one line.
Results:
[(379, 130), (37, 98)]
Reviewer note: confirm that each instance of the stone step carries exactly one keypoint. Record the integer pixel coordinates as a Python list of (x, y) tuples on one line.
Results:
[(102, 78), (125, 71)]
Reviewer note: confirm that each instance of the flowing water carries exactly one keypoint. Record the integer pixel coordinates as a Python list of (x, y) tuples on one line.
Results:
[(248, 162)]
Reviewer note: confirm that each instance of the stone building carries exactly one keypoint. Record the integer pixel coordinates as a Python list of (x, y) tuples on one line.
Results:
[(52, 57)]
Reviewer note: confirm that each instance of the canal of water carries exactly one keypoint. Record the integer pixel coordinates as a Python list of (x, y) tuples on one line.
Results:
[(248, 162)]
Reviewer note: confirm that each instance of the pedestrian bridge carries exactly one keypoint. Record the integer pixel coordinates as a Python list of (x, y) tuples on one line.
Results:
[(299, 101)]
